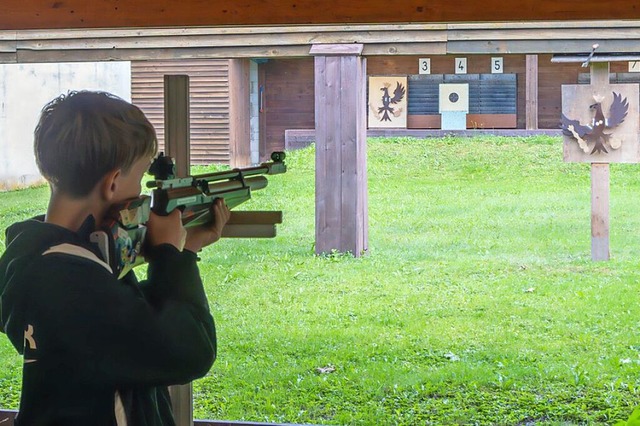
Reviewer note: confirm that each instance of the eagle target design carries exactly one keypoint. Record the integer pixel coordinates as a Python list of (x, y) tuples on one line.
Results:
[(387, 102), (592, 137)]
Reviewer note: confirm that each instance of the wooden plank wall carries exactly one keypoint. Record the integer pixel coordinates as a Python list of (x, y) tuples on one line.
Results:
[(416, 39), (209, 93)]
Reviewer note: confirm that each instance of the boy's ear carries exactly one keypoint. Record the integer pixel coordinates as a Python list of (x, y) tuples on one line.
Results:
[(109, 184)]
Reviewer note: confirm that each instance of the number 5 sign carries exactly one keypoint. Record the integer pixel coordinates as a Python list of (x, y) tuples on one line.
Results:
[(497, 65)]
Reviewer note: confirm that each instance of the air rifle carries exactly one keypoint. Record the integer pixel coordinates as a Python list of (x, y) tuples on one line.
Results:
[(121, 238)]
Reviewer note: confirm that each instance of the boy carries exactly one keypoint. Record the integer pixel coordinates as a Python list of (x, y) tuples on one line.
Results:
[(98, 351)]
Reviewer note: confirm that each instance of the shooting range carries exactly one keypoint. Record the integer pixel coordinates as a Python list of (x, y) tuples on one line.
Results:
[(341, 39)]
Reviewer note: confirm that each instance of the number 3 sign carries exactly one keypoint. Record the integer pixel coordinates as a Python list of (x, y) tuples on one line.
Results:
[(424, 66)]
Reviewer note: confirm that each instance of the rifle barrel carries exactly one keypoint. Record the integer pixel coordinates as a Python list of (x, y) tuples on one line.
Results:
[(234, 173), (254, 183)]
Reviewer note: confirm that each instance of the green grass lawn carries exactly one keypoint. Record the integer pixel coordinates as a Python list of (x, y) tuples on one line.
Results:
[(478, 302)]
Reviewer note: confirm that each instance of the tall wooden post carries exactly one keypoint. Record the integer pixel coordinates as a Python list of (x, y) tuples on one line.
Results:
[(177, 129), (239, 113), (341, 178), (531, 92), (599, 184), (176, 122)]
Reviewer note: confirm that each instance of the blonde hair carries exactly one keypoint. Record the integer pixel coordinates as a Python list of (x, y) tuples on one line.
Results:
[(81, 136)]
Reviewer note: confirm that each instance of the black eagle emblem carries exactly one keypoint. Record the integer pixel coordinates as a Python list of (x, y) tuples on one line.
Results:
[(594, 133), (388, 101)]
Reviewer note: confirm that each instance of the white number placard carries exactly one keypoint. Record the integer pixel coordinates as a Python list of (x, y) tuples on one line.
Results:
[(634, 66), (461, 65), (497, 65), (424, 66)]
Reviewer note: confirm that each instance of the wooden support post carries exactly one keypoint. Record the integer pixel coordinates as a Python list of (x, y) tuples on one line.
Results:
[(599, 211), (341, 167), (239, 113), (176, 122), (599, 184), (182, 404), (531, 92), (7, 417), (177, 128)]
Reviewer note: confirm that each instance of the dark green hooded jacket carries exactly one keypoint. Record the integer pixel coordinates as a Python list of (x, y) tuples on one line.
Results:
[(94, 345)]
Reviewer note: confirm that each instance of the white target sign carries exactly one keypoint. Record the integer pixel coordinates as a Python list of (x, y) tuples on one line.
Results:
[(454, 97)]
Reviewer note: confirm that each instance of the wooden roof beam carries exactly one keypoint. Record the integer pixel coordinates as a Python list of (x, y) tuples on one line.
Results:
[(46, 14)]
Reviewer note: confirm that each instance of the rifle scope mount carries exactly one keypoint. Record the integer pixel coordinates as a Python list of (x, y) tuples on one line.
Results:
[(163, 168)]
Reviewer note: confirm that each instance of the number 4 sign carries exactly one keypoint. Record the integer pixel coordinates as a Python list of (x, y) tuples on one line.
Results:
[(461, 66), (634, 66)]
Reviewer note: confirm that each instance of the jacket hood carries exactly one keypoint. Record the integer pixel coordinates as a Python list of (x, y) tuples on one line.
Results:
[(25, 242)]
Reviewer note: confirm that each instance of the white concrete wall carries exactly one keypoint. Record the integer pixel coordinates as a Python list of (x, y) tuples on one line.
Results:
[(26, 88)]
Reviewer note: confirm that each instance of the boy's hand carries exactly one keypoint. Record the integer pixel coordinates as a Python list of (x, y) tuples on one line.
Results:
[(202, 236), (166, 230)]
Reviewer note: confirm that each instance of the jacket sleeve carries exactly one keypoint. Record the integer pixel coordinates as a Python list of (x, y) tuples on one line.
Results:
[(113, 335)]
